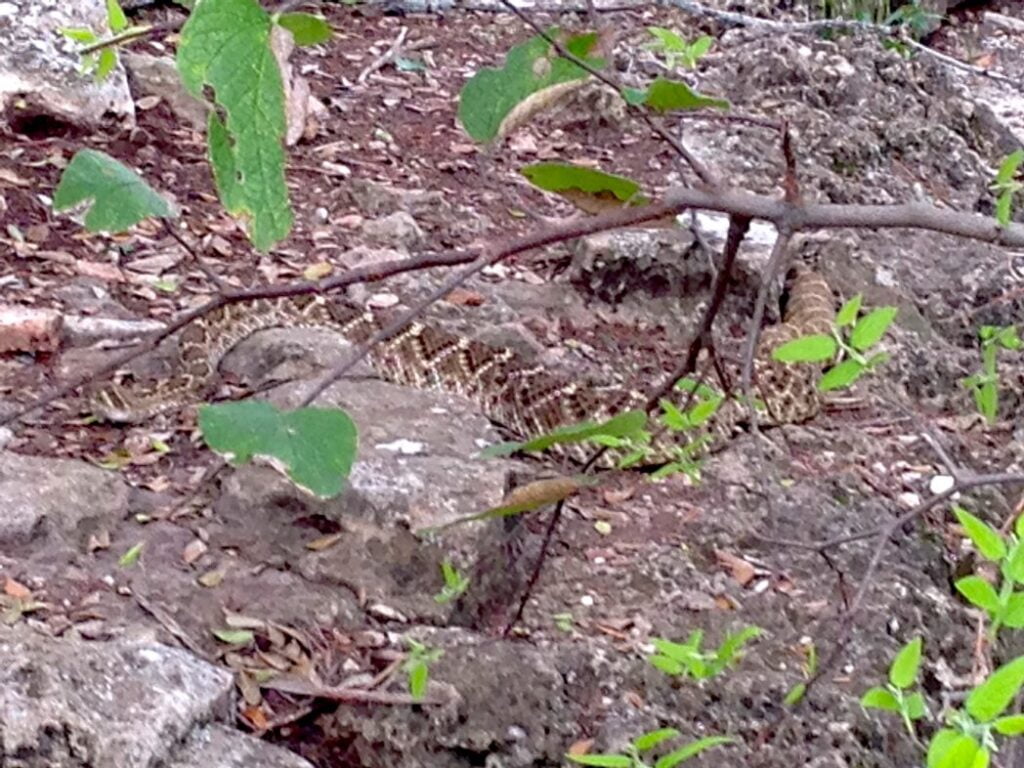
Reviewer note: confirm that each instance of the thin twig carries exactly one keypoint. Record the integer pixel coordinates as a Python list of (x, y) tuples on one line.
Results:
[(385, 57)]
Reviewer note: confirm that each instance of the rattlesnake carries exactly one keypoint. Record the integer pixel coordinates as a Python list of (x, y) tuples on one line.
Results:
[(526, 399)]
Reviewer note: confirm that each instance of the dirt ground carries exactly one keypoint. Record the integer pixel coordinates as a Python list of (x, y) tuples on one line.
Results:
[(673, 557)]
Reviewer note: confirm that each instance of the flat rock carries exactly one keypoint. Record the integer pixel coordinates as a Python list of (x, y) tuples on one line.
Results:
[(216, 746), (119, 705), (44, 496)]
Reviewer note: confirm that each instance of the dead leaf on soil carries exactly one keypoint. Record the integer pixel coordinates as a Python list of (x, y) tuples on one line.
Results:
[(16, 589), (742, 571), (464, 297), (193, 551), (580, 747)]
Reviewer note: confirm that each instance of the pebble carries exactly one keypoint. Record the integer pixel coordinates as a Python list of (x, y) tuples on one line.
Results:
[(941, 484)]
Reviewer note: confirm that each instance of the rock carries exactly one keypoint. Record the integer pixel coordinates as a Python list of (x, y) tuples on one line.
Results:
[(40, 69), (216, 746), (122, 704), (398, 229), (59, 497), (158, 76)]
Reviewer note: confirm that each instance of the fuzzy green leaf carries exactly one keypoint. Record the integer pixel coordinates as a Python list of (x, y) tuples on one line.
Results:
[(816, 348), (847, 314), (564, 177), (1011, 725), (226, 45), (979, 592), (841, 375), (880, 698), (120, 197), (988, 700), (986, 538), (316, 446), (870, 328), (904, 667), (667, 95)]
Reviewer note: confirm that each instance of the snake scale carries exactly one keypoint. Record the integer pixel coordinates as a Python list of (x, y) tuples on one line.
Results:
[(524, 398)]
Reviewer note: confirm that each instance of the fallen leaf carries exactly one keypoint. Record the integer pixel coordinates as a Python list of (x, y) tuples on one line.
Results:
[(211, 578), (317, 271), (194, 550), (16, 589), (256, 718), (742, 571), (580, 747), (465, 297), (324, 542)]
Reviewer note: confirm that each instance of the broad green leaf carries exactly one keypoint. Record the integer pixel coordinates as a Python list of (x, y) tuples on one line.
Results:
[(1013, 566), (1008, 338), (841, 375), (601, 761), (1008, 168), (691, 750), (131, 557), (622, 425), (651, 739), (986, 538), (79, 34), (418, 674), (226, 45), (106, 62), (489, 96), (316, 446), (950, 749), (633, 96), (234, 636), (904, 667), (222, 162), (1003, 206), (668, 39), (847, 314), (816, 348), (564, 177), (306, 28), (880, 698), (120, 197), (115, 17), (666, 95), (979, 592), (988, 700), (870, 328), (915, 706), (1011, 725)]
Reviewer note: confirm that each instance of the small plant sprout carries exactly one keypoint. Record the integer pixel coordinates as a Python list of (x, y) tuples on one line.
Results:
[(455, 583), (1005, 607), (896, 696), (417, 666), (688, 660), (102, 61), (676, 50), (850, 346), (984, 385), (810, 667), (632, 756), (1006, 186)]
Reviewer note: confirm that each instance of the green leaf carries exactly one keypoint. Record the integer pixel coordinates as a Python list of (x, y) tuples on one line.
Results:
[(880, 698), (915, 707), (979, 592), (870, 329), (418, 675), (698, 48), (795, 694), (120, 197), (1011, 725), (904, 667), (816, 348), (986, 538), (562, 177), (691, 750), (841, 375), (226, 45), (988, 700), (665, 95), (234, 636), (1018, 527), (633, 96), (847, 314), (672, 667), (704, 410), (950, 749), (651, 739), (734, 642), (1003, 207), (702, 391), (79, 34), (115, 17), (222, 162), (131, 557), (489, 96), (623, 425), (668, 39), (316, 445), (1008, 168), (601, 761), (106, 63), (306, 28)]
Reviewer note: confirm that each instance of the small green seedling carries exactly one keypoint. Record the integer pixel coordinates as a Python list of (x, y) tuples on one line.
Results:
[(1005, 607), (852, 347), (810, 667), (417, 666), (896, 696), (984, 385), (1006, 186), (103, 61), (632, 757), (676, 50), (455, 583), (688, 660)]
